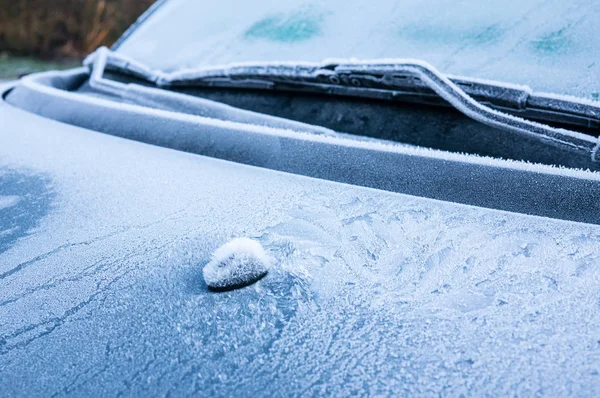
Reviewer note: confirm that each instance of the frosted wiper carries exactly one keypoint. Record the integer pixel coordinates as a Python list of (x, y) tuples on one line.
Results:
[(385, 79)]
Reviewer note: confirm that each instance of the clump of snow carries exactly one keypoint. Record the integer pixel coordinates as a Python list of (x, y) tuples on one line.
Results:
[(237, 263)]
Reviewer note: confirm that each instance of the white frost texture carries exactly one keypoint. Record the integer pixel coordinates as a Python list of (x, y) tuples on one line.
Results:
[(237, 263), (372, 293), (546, 45)]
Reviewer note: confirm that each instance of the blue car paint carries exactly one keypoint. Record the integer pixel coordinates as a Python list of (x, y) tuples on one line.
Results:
[(374, 293)]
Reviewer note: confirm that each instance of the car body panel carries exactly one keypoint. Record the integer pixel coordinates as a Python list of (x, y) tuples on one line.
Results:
[(373, 292)]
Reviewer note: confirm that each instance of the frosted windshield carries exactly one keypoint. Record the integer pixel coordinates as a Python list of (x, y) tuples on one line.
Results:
[(548, 45)]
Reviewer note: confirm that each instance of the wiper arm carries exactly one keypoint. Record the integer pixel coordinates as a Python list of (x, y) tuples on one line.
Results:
[(167, 100), (386, 79)]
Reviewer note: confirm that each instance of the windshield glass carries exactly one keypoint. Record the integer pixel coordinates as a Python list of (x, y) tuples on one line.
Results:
[(548, 45)]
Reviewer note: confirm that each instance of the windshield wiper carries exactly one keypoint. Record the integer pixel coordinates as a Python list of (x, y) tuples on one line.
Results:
[(383, 79)]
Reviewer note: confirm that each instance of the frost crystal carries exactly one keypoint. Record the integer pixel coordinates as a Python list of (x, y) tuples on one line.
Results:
[(237, 263)]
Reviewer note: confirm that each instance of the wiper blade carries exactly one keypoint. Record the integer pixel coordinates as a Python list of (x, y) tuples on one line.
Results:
[(385, 79)]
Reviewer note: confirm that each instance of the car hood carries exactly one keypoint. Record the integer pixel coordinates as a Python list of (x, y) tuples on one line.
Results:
[(103, 240)]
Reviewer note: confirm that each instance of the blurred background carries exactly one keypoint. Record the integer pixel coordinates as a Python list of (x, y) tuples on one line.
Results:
[(36, 35)]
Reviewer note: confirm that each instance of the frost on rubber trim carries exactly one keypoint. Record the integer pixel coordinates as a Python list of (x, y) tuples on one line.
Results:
[(435, 80), (34, 82)]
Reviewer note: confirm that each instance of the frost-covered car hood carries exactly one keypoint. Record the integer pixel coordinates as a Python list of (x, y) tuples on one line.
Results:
[(103, 240)]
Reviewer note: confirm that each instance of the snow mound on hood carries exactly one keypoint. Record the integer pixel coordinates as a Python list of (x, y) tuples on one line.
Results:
[(238, 263)]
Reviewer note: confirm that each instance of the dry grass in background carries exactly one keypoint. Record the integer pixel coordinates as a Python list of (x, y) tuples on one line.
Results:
[(54, 29)]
